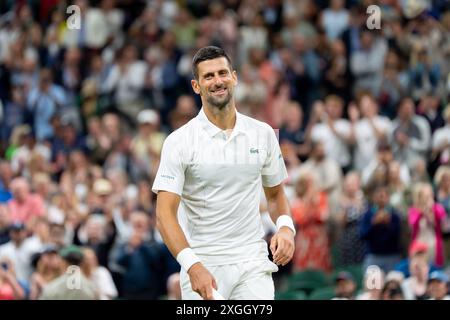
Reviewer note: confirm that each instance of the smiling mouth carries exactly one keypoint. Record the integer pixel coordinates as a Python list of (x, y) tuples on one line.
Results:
[(219, 91)]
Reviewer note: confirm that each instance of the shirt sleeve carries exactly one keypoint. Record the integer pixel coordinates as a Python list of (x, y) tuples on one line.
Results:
[(274, 170), (170, 176)]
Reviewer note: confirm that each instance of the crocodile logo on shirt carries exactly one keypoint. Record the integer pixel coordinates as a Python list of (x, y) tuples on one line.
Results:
[(254, 150)]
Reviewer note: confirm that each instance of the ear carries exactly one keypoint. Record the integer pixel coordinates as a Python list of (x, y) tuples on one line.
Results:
[(235, 77), (195, 86)]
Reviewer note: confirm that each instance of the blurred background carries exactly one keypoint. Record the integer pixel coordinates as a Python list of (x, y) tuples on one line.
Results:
[(364, 126)]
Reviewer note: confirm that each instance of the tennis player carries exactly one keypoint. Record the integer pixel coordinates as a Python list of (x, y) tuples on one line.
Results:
[(208, 189)]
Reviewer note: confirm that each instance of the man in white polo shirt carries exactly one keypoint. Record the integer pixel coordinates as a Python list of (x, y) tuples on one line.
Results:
[(209, 183)]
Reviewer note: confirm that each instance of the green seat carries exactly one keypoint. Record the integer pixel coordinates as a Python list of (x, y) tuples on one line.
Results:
[(308, 280), (291, 295), (326, 293)]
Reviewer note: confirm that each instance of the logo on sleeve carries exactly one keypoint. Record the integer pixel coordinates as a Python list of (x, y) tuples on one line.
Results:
[(254, 150), (167, 177)]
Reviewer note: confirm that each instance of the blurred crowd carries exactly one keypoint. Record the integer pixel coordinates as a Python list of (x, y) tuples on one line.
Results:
[(363, 117)]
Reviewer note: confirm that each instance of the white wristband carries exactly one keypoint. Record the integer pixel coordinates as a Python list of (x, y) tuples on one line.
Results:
[(187, 258), (285, 221)]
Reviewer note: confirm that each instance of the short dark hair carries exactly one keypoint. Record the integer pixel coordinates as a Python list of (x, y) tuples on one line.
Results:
[(208, 53)]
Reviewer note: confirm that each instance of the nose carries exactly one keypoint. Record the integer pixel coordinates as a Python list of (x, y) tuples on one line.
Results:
[(217, 80)]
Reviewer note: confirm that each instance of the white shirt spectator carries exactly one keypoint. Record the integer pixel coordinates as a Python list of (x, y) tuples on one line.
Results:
[(129, 84), (335, 147), (21, 256), (366, 140), (441, 137), (104, 283)]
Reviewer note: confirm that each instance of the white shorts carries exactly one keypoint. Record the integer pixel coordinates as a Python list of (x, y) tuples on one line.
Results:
[(250, 280)]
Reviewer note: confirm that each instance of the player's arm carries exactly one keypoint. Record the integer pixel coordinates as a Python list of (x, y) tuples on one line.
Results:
[(282, 243), (201, 279)]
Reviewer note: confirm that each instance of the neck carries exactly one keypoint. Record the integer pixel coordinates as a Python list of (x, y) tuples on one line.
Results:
[(224, 118)]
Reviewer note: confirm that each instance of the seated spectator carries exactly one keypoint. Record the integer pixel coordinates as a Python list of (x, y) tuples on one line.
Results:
[(345, 286), (99, 275), (310, 214), (48, 267), (417, 250), (392, 290), (10, 288), (352, 206), (415, 286), (25, 206), (372, 285), (81, 289), (377, 170), (438, 286), (19, 251), (380, 229), (410, 135), (426, 220)]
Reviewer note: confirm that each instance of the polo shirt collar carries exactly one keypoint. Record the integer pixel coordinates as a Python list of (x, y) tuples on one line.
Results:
[(213, 130)]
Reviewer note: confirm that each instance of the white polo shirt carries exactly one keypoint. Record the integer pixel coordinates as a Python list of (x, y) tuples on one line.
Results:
[(219, 180)]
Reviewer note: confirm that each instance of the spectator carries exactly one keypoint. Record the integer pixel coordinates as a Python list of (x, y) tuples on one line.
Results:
[(438, 286), (147, 144), (380, 229), (442, 183), (441, 141), (366, 63), (345, 286), (48, 267), (99, 275), (372, 286), (19, 251), (392, 290), (58, 289), (10, 288), (310, 213), (43, 102), (142, 260), (333, 131), (411, 135), (367, 131), (426, 219), (335, 19), (377, 171), (415, 286), (352, 206), (328, 172), (25, 206)]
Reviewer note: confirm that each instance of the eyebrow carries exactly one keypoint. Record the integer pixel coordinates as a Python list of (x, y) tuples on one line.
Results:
[(212, 73)]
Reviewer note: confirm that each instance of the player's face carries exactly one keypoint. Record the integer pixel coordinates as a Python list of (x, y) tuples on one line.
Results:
[(215, 82)]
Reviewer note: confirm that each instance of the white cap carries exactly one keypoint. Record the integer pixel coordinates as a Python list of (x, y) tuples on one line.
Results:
[(148, 116)]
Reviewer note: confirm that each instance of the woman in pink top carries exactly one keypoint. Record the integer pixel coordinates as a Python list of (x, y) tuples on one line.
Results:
[(426, 219)]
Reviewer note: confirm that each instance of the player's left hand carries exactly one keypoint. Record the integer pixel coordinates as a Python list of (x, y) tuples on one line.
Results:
[(282, 246)]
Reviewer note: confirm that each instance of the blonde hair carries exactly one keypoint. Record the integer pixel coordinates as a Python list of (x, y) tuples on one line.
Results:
[(417, 192), (443, 170)]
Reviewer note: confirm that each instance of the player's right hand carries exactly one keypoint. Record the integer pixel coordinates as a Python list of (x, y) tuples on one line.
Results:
[(202, 281)]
